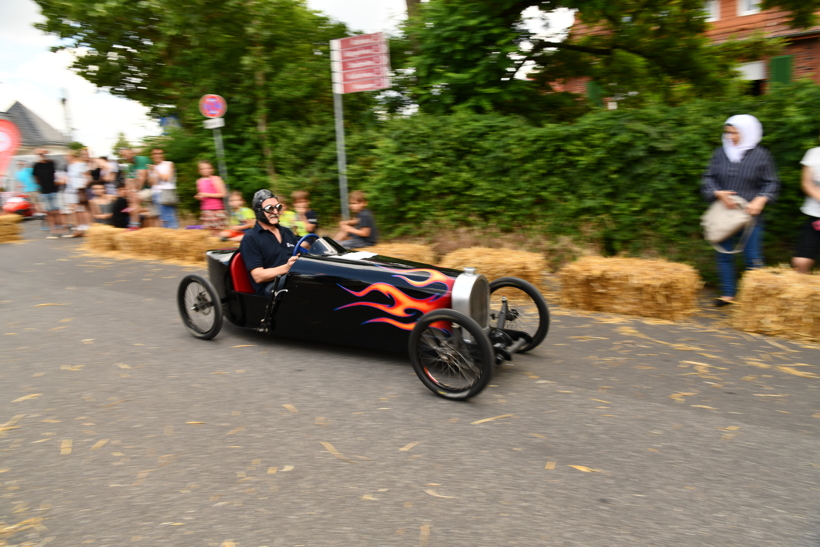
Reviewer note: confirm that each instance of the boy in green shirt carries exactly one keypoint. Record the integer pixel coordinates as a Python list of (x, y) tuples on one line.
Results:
[(241, 219)]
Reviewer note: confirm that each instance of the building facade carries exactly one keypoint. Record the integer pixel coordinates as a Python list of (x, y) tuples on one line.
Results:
[(738, 19)]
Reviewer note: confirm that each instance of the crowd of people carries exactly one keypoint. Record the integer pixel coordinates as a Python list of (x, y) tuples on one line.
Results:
[(142, 192)]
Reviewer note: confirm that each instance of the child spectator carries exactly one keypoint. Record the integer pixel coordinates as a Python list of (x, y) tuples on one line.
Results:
[(306, 216), (360, 231), (101, 204), (289, 219), (242, 218), (210, 193), (120, 212)]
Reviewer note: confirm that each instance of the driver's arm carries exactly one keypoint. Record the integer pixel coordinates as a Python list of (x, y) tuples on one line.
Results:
[(263, 275)]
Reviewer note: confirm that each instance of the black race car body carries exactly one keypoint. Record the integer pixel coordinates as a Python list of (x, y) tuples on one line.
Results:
[(455, 325), (351, 298)]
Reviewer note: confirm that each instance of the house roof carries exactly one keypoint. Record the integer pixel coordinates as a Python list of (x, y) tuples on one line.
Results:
[(33, 130)]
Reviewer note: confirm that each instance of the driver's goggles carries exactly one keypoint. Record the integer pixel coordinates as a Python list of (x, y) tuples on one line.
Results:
[(271, 209)]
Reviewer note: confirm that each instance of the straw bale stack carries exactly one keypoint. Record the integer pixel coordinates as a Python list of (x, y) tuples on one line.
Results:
[(155, 243), (405, 251), (779, 302), (631, 286), (495, 263), (101, 237), (10, 228)]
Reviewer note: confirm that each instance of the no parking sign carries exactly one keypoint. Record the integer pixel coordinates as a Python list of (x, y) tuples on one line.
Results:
[(212, 106)]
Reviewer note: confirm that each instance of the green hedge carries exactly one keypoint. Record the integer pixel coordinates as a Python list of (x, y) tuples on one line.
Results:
[(626, 180)]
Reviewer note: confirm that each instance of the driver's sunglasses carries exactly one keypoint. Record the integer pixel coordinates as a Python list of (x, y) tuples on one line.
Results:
[(270, 209)]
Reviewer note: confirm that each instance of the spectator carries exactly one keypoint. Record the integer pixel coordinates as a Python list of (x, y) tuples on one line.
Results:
[(136, 181), (289, 219), (808, 244), (120, 214), (75, 196), (307, 217), (44, 172), (27, 184), (360, 231), (744, 168), (242, 219), (211, 193), (164, 189), (108, 174), (101, 204)]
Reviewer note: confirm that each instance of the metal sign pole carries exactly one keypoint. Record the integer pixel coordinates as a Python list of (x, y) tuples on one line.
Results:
[(223, 171), (338, 115)]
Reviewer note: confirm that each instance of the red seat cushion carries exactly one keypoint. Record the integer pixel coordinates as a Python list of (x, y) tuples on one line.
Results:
[(239, 275)]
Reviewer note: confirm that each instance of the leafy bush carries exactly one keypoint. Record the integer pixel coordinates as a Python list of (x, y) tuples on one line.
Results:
[(625, 180)]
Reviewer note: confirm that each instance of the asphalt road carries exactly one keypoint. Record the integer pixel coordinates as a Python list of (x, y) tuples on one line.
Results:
[(121, 429)]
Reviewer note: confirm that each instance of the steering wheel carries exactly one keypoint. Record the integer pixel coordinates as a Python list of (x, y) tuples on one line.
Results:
[(299, 248)]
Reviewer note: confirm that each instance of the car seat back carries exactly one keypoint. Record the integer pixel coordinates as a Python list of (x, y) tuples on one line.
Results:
[(240, 277)]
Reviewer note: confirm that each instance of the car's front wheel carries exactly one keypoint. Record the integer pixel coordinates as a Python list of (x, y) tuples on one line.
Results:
[(523, 307), (199, 307), (451, 354)]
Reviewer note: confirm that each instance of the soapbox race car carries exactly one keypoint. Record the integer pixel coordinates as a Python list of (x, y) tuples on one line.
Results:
[(456, 326)]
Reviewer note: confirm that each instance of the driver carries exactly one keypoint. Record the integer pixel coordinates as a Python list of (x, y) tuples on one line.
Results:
[(267, 247)]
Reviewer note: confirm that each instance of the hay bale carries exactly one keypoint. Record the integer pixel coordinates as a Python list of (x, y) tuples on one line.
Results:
[(631, 286), (779, 302), (11, 228), (101, 237), (188, 246), (495, 263), (404, 251)]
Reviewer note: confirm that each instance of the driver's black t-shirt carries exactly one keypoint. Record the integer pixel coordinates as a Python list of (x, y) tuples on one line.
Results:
[(261, 249)]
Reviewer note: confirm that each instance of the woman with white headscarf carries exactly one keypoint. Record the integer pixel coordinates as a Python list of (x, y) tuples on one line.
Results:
[(744, 168)]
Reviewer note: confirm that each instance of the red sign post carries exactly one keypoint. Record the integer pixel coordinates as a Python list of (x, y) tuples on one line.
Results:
[(360, 63), (214, 107)]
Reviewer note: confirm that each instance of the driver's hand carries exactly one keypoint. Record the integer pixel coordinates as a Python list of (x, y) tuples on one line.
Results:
[(290, 262)]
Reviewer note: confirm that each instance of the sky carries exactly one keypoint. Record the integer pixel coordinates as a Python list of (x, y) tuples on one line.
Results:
[(38, 78)]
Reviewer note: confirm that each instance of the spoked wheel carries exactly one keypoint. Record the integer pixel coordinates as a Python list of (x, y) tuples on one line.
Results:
[(451, 354), (517, 306), (199, 307)]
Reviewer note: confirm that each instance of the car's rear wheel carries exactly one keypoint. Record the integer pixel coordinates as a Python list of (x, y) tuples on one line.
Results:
[(527, 309), (199, 307), (451, 354)]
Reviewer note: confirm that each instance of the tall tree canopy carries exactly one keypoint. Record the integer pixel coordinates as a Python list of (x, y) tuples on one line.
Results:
[(269, 59), (469, 52)]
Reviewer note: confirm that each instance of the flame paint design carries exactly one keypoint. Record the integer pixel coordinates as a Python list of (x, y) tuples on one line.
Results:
[(402, 304)]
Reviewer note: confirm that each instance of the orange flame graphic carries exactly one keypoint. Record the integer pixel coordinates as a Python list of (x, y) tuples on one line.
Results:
[(402, 304)]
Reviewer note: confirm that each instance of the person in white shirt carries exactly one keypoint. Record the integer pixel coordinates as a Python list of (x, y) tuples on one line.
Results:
[(808, 244), (76, 199), (164, 188)]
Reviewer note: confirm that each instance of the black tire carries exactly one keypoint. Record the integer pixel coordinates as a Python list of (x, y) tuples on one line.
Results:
[(199, 307), (525, 310), (446, 363)]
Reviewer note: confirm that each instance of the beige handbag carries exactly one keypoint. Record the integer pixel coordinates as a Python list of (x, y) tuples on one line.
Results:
[(720, 223)]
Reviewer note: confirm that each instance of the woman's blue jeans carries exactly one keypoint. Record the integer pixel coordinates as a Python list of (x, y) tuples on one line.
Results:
[(168, 216), (752, 256)]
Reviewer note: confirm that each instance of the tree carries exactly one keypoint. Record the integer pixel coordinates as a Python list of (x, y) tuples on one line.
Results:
[(121, 143), (270, 59), (471, 52)]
